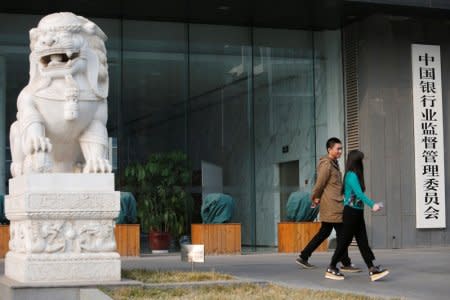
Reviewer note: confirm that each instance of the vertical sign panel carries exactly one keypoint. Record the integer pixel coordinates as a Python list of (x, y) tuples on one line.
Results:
[(428, 136)]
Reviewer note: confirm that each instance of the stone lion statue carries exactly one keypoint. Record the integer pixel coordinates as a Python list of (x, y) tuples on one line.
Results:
[(62, 112)]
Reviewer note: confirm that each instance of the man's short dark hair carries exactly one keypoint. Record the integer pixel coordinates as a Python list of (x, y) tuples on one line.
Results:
[(333, 141)]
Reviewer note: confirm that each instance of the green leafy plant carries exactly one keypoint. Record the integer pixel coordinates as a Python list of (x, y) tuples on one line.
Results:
[(160, 184)]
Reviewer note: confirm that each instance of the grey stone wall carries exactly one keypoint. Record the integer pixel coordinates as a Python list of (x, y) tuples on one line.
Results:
[(386, 124)]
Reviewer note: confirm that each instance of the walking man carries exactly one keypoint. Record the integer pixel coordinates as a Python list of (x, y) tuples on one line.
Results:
[(327, 192)]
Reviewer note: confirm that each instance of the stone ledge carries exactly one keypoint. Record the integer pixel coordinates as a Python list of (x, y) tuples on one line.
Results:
[(13, 284), (14, 290), (62, 215), (20, 268), (70, 257), (194, 284), (58, 182), (62, 202)]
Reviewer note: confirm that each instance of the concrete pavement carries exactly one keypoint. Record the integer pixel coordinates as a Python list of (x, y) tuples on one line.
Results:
[(415, 273)]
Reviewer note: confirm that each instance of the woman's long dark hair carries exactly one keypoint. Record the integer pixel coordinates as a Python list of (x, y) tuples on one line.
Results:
[(355, 164)]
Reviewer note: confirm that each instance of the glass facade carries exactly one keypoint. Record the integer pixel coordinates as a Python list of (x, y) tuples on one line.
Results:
[(256, 103)]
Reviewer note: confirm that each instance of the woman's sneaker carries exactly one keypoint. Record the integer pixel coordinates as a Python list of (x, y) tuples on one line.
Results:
[(333, 273), (377, 273)]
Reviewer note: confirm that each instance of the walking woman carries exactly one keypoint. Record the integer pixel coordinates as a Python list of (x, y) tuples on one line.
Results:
[(353, 219)]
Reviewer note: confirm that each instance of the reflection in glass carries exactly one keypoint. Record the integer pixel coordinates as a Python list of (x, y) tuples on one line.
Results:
[(257, 104), (154, 92), (284, 123), (220, 75)]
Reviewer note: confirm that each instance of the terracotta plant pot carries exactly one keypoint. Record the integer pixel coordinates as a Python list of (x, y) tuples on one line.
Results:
[(159, 241)]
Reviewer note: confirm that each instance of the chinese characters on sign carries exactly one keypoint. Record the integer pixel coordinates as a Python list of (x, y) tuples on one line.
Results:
[(193, 253), (428, 136)]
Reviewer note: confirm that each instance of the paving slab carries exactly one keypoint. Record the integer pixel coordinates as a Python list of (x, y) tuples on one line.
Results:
[(415, 273)]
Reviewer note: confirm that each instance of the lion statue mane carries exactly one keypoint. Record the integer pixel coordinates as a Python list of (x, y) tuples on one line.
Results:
[(62, 112)]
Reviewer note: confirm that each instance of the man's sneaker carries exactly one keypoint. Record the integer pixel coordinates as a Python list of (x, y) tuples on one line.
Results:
[(377, 273), (334, 274), (351, 268), (304, 263)]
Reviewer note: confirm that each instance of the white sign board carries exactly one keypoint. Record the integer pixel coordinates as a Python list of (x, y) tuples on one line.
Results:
[(193, 253), (428, 136)]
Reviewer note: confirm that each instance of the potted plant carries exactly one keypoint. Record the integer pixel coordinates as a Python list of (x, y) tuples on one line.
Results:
[(163, 204)]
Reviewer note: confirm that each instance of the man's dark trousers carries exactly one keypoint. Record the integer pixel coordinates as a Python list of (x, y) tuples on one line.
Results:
[(322, 235)]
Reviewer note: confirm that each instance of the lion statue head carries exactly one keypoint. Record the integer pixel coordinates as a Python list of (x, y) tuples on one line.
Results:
[(66, 44)]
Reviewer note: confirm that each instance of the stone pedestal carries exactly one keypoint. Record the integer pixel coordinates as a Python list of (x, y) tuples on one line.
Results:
[(62, 228)]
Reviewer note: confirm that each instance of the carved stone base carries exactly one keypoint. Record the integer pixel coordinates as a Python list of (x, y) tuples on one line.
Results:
[(60, 267), (62, 228)]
